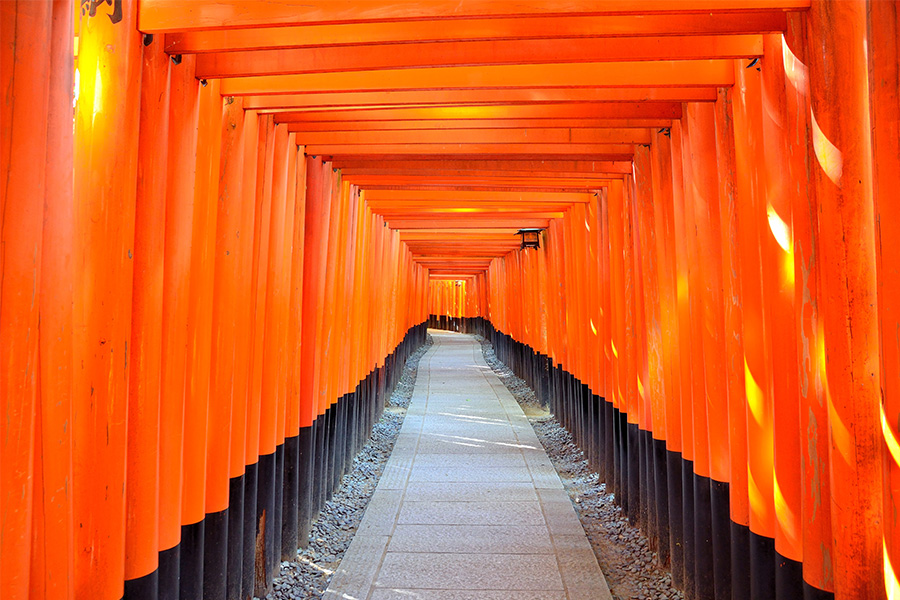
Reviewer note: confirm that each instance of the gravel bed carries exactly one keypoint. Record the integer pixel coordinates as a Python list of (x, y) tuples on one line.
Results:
[(631, 569), (308, 575)]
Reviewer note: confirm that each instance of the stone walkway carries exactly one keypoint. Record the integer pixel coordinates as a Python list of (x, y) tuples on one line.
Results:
[(469, 506)]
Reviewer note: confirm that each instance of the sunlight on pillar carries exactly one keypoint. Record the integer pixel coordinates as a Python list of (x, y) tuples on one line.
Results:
[(76, 88), (891, 583), (758, 504), (830, 158), (795, 71), (682, 287), (779, 228), (786, 517), (781, 231), (889, 437), (593, 327), (613, 346), (840, 435), (754, 395), (98, 94)]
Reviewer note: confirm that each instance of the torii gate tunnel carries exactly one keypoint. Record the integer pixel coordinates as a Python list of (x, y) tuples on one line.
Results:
[(217, 254)]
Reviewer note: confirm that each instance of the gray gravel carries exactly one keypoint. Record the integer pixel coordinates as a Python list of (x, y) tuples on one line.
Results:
[(308, 575), (631, 569)]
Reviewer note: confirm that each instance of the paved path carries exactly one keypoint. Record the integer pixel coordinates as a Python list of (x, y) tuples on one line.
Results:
[(469, 506)]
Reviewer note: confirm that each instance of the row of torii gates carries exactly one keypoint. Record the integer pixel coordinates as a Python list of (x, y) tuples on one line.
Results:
[(207, 284)]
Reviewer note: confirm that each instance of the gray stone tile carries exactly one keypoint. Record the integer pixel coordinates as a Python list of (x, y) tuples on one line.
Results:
[(471, 513), (496, 459), (381, 513), (471, 539), (357, 572), (561, 519), (395, 474), (554, 495), (531, 572), (469, 492), (470, 474), (545, 478), (580, 572), (408, 594), (434, 445)]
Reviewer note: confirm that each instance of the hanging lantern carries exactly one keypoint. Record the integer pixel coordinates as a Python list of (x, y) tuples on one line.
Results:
[(531, 238)]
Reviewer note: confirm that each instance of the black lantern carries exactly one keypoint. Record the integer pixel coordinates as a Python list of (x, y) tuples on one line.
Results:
[(531, 238)]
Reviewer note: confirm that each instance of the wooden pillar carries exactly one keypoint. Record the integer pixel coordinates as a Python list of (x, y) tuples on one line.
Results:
[(142, 510), (729, 575), (181, 169), (842, 144), (32, 122), (106, 152), (53, 506), (224, 496), (884, 83), (818, 576), (655, 382)]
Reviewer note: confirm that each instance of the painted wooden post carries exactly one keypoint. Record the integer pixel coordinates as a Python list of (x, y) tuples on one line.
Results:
[(730, 510), (106, 151), (142, 475), (181, 168), (224, 495), (884, 81), (53, 505), (842, 145), (818, 577), (669, 455), (680, 485), (27, 31)]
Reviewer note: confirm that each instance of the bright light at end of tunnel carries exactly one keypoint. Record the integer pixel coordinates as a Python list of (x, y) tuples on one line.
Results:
[(891, 583)]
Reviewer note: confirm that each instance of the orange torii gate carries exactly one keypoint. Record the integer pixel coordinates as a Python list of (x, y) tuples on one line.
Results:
[(210, 282)]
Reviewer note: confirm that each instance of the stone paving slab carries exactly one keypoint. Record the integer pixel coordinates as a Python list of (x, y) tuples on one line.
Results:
[(469, 506), (471, 513)]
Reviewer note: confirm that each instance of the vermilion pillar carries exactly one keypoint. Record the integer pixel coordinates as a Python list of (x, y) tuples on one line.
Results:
[(663, 217), (142, 510), (682, 529), (106, 151), (54, 503), (884, 82), (27, 32), (785, 174), (842, 171), (733, 350), (181, 168)]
